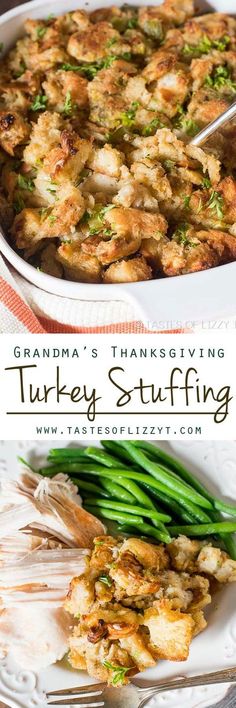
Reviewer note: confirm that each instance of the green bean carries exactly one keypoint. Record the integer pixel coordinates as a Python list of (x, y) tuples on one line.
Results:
[(187, 476), (51, 471), (159, 474), (68, 468), (147, 530), (26, 464), (129, 531), (128, 485), (116, 491), (175, 465), (67, 452), (166, 469), (125, 528), (171, 504), (122, 517), (103, 457), (228, 539), (90, 487), (130, 509), (224, 506), (215, 527), (64, 456), (138, 493), (117, 449), (230, 545), (62, 461), (131, 474), (196, 513), (131, 487)]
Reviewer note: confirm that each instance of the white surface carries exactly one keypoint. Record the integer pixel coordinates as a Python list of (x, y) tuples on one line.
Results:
[(187, 298), (213, 649)]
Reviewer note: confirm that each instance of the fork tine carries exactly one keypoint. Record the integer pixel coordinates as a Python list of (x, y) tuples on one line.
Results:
[(87, 689), (77, 702)]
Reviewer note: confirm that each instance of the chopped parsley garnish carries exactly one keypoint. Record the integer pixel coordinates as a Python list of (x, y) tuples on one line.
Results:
[(25, 183), (1, 46), (43, 211), (180, 236), (132, 23), (127, 56), (50, 17), (84, 173), (68, 105), (88, 70), (111, 41), (39, 103), (168, 165), (115, 135), (107, 232), (85, 218), (128, 117), (123, 23), (220, 77), (53, 187), (96, 219), (186, 200), (206, 45), (117, 671), (216, 203), (188, 125), (21, 70), (200, 206), (18, 204), (152, 126), (41, 31), (52, 218), (91, 70), (206, 183), (222, 43), (106, 580), (154, 29)]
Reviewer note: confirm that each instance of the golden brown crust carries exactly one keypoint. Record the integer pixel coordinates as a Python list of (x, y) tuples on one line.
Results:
[(130, 271)]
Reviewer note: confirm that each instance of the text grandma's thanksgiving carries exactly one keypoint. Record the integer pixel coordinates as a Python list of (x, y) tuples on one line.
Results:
[(179, 391)]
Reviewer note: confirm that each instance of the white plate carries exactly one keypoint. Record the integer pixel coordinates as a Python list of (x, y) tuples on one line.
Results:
[(186, 299), (214, 649)]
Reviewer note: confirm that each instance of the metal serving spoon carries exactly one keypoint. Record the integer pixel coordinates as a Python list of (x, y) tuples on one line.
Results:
[(212, 127)]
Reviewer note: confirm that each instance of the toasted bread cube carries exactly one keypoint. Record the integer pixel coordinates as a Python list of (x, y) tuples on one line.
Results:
[(136, 647), (171, 631), (81, 595)]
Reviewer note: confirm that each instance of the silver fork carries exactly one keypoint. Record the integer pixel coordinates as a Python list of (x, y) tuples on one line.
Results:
[(136, 694)]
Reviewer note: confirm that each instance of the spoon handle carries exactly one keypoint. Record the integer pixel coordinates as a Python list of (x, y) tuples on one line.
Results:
[(211, 128)]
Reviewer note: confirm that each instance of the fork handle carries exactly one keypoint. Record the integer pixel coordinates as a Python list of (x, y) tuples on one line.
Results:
[(224, 676), (211, 128)]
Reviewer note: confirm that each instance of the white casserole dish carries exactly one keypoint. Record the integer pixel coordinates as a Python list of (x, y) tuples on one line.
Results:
[(187, 299)]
